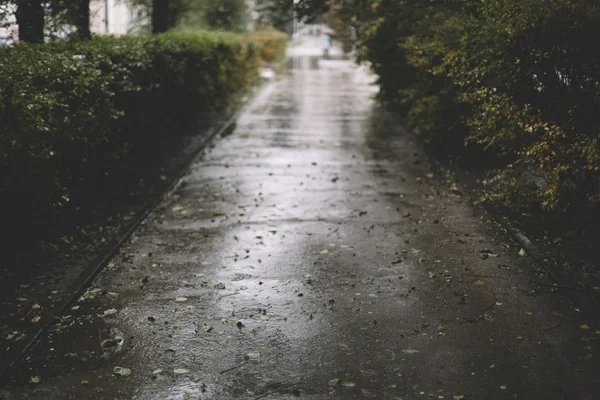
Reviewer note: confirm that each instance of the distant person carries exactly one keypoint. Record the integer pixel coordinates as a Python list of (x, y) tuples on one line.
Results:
[(325, 44)]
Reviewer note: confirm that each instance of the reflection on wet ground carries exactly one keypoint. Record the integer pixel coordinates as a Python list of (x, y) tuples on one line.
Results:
[(312, 253)]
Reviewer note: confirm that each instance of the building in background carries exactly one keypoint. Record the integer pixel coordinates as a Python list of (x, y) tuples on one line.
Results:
[(9, 30), (116, 17)]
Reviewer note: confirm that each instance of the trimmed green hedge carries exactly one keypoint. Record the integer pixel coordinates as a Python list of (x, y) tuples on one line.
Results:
[(70, 112), (271, 44)]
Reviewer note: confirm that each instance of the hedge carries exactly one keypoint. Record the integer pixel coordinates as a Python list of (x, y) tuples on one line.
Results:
[(517, 79), (271, 43), (71, 113)]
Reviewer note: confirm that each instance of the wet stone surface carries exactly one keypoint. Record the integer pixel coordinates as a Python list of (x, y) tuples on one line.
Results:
[(313, 253)]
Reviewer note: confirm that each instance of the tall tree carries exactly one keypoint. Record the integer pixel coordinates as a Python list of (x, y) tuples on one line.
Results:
[(276, 13), (160, 16), (30, 18), (311, 9), (83, 20), (230, 15)]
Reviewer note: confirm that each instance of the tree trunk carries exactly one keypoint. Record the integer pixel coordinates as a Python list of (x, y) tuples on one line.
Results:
[(83, 20), (30, 18), (160, 16)]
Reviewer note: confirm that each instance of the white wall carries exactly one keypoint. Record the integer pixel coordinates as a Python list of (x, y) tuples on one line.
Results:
[(121, 17), (8, 24)]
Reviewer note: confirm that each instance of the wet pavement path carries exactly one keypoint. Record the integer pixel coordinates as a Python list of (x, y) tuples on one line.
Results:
[(312, 253)]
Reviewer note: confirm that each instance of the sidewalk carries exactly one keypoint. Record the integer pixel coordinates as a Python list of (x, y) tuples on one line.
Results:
[(313, 253)]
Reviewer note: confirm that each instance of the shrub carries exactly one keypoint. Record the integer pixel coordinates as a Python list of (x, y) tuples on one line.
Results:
[(534, 86), (270, 44), (518, 78), (70, 113)]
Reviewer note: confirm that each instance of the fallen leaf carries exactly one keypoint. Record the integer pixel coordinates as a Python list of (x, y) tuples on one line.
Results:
[(36, 319), (325, 251), (522, 252), (109, 343), (178, 208), (121, 371), (203, 326), (35, 379), (181, 299), (252, 356), (180, 371), (410, 351), (584, 326), (480, 283), (111, 311)]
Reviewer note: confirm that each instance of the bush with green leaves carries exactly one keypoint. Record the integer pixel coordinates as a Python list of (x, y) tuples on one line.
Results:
[(519, 79), (271, 44), (70, 113)]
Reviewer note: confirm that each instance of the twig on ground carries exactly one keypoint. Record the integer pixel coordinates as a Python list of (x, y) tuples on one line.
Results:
[(557, 286), (227, 295), (483, 312), (232, 368), (443, 304), (262, 395), (485, 276), (554, 327)]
